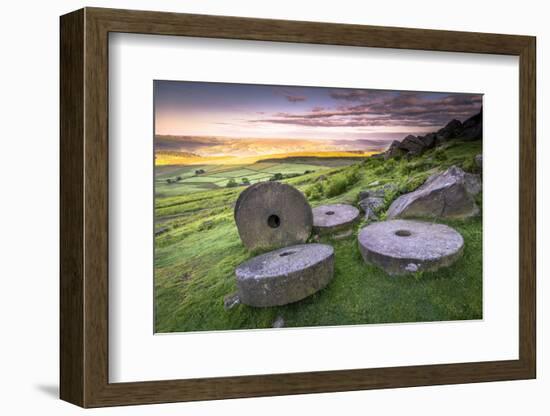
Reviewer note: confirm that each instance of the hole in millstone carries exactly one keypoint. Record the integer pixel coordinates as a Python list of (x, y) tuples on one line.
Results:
[(403, 233), (329, 213), (273, 221), (286, 253)]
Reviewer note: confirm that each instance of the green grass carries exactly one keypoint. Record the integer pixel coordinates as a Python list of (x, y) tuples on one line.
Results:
[(196, 257), (167, 183)]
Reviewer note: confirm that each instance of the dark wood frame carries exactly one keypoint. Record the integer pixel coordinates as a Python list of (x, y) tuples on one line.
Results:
[(84, 207)]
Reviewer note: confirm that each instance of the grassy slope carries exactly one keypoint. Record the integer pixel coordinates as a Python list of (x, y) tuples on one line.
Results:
[(196, 257)]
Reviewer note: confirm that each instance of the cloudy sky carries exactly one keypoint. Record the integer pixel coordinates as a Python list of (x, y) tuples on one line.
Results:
[(270, 111)]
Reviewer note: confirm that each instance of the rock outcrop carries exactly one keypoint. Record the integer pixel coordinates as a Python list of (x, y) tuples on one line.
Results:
[(412, 145), (472, 128), (393, 150), (445, 195), (370, 206), (371, 201), (452, 130)]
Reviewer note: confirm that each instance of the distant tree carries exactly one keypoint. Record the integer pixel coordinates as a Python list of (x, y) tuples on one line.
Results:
[(276, 177), (168, 180), (231, 183), (199, 171), (178, 179), (245, 181), (308, 171)]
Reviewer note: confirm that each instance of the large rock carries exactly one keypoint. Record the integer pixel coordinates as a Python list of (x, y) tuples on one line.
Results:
[(445, 195), (402, 246), (473, 127), (334, 219), (452, 130), (393, 150), (286, 275), (428, 140), (472, 183), (371, 206), (372, 202), (413, 145), (272, 215)]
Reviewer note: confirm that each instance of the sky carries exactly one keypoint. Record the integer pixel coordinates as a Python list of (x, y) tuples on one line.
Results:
[(270, 111)]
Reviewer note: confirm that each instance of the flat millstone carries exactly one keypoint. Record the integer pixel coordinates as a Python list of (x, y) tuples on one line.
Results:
[(270, 215), (286, 275), (403, 246), (333, 219)]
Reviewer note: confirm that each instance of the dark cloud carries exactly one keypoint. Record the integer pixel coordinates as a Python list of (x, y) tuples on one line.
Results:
[(365, 96), (346, 122), (350, 95), (289, 94), (295, 98), (381, 108)]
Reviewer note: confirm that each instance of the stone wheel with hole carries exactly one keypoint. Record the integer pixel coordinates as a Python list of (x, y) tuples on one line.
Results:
[(403, 246), (286, 275), (334, 219), (271, 215)]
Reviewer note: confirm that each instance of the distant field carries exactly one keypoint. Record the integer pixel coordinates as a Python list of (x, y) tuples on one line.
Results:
[(334, 162), (217, 176), (184, 158)]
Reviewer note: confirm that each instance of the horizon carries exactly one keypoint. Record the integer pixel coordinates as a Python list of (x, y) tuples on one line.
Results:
[(251, 111)]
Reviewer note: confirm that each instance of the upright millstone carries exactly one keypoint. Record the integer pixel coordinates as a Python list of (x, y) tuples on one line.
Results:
[(335, 219), (242, 195), (286, 275), (403, 246), (271, 215)]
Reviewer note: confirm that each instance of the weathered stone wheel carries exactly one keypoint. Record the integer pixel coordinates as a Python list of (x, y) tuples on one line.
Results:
[(336, 219), (242, 195), (286, 275), (403, 246), (271, 215)]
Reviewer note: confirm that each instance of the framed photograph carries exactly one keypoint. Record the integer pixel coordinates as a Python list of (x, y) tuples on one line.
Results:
[(257, 207)]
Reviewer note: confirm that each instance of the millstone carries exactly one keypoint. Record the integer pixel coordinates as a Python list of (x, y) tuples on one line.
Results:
[(334, 219), (271, 215), (286, 275), (242, 196), (402, 246)]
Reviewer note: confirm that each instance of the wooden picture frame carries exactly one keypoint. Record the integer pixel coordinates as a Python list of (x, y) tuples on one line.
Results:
[(84, 207)]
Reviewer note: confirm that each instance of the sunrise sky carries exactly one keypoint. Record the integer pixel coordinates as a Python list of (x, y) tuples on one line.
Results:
[(269, 111)]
